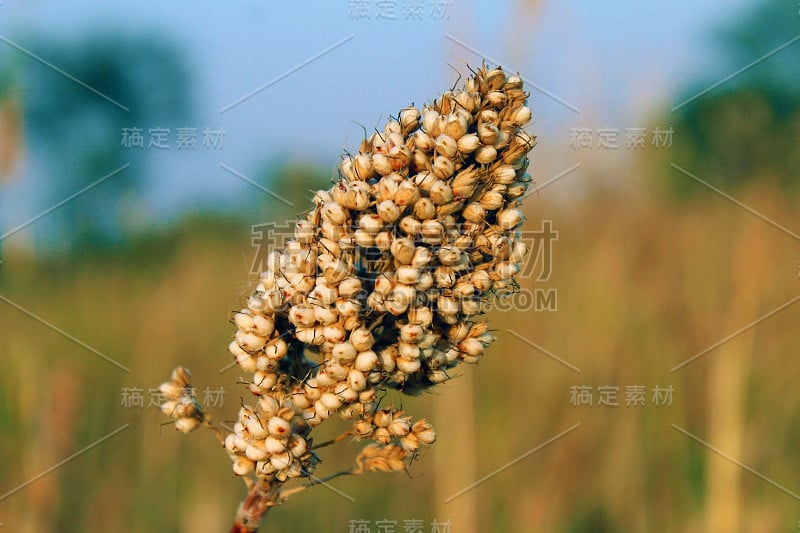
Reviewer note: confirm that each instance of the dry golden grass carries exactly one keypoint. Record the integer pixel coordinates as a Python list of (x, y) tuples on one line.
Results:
[(641, 287)]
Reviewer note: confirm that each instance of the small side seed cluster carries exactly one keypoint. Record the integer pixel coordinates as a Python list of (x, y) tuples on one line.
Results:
[(384, 281), (180, 401), (389, 426), (264, 439)]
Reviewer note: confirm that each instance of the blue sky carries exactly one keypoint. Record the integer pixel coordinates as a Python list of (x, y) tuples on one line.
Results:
[(615, 64)]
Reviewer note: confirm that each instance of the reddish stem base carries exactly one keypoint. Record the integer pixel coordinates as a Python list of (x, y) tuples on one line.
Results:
[(252, 510)]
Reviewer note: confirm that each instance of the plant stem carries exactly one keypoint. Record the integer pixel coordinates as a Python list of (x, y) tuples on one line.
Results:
[(263, 495), (332, 441), (252, 510)]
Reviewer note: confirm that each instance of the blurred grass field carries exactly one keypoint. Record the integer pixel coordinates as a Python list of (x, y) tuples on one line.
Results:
[(643, 284), (660, 281)]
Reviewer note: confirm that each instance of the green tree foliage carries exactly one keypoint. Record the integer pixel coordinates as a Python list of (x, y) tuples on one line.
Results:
[(747, 128), (75, 134)]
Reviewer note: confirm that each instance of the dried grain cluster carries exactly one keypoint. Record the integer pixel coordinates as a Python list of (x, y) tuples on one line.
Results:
[(384, 282)]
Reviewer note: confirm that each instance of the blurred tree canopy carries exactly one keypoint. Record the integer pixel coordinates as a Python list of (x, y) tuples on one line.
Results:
[(746, 129), (75, 134)]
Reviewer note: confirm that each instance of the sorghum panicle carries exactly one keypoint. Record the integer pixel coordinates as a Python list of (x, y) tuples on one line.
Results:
[(384, 283)]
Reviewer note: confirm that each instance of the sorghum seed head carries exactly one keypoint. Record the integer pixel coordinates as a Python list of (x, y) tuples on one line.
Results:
[(409, 119), (398, 255), (485, 154), (278, 426), (242, 466), (424, 432)]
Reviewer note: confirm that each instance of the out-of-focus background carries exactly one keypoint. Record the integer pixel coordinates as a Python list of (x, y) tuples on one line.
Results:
[(645, 379)]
